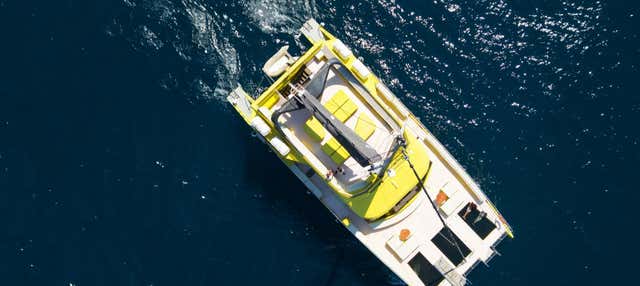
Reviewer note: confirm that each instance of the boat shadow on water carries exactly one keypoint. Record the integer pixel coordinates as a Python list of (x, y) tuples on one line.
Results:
[(350, 258)]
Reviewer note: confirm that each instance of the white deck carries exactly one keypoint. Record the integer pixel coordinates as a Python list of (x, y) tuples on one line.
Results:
[(420, 217), (423, 222)]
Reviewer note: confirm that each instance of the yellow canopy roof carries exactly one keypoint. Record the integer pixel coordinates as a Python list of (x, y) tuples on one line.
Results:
[(398, 180)]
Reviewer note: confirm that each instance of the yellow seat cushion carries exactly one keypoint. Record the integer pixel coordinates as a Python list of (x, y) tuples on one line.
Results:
[(341, 106), (340, 97), (341, 115), (348, 108), (340, 156), (314, 129), (393, 185), (331, 106), (365, 126), (331, 146), (335, 151)]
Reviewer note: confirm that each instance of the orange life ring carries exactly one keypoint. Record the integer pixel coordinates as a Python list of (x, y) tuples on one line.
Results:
[(404, 234)]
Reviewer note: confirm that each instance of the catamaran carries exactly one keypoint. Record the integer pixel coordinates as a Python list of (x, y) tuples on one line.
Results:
[(372, 163)]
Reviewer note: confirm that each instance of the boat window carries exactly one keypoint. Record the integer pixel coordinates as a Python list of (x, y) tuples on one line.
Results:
[(405, 200), (477, 220), (427, 273), (448, 242)]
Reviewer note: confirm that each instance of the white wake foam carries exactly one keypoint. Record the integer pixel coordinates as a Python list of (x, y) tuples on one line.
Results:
[(280, 16), (208, 34)]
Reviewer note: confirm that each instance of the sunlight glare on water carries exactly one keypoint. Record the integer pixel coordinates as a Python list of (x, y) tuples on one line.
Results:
[(122, 163)]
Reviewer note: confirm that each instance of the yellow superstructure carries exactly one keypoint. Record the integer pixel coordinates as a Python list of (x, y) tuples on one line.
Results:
[(398, 180)]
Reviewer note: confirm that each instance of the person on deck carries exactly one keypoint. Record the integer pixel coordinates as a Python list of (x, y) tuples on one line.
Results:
[(330, 174), (470, 208)]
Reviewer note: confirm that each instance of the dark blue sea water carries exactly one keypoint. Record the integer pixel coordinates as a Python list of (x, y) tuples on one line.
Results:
[(121, 164)]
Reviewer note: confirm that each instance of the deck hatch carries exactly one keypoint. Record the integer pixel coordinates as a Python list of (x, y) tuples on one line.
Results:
[(480, 224), (443, 240), (427, 273)]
